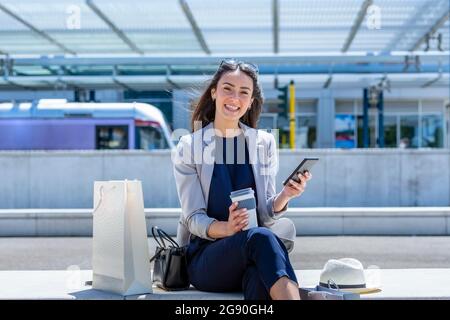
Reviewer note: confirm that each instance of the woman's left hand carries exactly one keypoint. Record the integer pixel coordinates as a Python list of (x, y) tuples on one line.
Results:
[(294, 189)]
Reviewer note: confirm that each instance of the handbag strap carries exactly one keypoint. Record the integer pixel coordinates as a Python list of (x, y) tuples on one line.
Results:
[(163, 244), (157, 254), (164, 235)]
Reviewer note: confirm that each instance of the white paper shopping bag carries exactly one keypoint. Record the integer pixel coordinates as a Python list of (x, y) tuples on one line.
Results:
[(120, 252)]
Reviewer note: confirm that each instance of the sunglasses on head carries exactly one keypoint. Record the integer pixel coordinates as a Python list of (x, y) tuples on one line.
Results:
[(246, 65)]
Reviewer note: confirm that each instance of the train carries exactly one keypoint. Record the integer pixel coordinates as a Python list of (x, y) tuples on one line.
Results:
[(56, 124)]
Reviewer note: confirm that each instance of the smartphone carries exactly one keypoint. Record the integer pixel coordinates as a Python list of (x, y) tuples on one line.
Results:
[(305, 165)]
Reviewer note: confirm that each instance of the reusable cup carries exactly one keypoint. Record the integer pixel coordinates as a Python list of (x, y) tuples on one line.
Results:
[(246, 199)]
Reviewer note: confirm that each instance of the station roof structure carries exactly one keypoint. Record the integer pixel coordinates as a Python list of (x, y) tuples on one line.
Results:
[(140, 44)]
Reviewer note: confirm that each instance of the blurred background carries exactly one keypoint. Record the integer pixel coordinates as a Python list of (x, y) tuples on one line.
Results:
[(345, 57), (93, 90)]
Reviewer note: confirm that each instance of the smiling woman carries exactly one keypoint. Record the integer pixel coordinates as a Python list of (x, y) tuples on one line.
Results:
[(234, 93), (224, 251)]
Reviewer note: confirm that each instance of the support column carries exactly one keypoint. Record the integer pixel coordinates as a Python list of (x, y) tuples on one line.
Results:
[(366, 140), (380, 120), (325, 119)]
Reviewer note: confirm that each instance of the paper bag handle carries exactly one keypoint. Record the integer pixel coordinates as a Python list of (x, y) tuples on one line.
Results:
[(100, 201), (125, 195)]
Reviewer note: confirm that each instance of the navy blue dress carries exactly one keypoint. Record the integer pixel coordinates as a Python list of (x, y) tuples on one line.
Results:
[(232, 171), (250, 261)]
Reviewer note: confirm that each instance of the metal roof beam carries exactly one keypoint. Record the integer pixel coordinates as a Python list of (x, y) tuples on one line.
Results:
[(112, 26), (119, 83), (310, 58), (53, 72), (276, 25), (439, 23), (353, 80), (6, 67), (432, 81), (63, 70), (36, 30), (170, 81), (16, 85), (198, 33), (356, 25), (59, 83), (328, 82), (122, 85)]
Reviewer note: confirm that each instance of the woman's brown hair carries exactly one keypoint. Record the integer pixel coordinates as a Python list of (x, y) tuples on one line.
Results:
[(205, 107)]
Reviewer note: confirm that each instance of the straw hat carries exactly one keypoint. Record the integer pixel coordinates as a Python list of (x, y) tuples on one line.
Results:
[(348, 275)]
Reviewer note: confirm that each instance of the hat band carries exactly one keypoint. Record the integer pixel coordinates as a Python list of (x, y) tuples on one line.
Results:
[(344, 286)]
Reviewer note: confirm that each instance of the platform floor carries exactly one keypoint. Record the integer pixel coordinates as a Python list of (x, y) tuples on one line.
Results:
[(70, 284)]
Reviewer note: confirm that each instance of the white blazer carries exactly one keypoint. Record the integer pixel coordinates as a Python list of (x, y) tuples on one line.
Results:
[(193, 165)]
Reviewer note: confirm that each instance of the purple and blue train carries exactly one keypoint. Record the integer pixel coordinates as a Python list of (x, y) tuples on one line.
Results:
[(55, 124)]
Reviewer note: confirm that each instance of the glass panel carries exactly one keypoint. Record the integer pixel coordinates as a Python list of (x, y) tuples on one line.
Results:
[(425, 16), (389, 22), (390, 131), (92, 42), (432, 131), (25, 42), (409, 131), (56, 15), (316, 25), (161, 26), (344, 106), (111, 137), (235, 25), (344, 125), (306, 106), (404, 106), (150, 138), (306, 132), (432, 106)]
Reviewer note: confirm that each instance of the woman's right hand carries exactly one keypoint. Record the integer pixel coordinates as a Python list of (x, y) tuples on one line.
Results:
[(237, 219)]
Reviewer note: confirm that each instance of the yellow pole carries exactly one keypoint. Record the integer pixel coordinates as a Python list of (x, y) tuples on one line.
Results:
[(292, 114)]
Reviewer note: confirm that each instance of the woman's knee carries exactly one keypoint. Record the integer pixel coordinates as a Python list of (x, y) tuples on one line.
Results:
[(260, 234)]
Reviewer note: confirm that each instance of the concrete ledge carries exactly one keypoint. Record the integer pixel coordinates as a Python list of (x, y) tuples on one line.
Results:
[(61, 284), (343, 177), (308, 221)]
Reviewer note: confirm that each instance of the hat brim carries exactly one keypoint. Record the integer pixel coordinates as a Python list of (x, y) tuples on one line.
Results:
[(362, 290)]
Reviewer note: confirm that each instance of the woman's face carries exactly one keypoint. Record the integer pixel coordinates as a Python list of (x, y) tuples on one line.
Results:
[(233, 95)]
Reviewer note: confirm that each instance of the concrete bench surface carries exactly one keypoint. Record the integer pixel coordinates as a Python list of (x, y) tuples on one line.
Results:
[(70, 284)]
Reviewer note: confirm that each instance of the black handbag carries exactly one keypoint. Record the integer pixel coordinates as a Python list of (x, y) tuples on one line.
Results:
[(170, 267)]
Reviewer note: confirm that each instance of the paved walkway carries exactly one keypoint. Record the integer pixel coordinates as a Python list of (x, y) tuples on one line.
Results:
[(309, 252)]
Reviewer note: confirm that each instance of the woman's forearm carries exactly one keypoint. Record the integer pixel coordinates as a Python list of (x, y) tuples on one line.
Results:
[(218, 229), (280, 202)]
